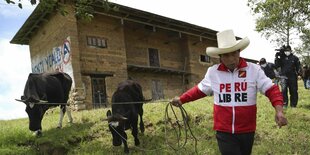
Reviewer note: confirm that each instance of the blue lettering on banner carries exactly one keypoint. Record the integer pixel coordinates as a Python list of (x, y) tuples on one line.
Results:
[(57, 55), (39, 68), (66, 52), (52, 59)]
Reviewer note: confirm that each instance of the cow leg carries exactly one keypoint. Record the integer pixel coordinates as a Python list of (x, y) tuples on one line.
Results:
[(69, 114), (61, 115), (141, 119), (141, 124), (135, 135), (134, 132), (124, 140)]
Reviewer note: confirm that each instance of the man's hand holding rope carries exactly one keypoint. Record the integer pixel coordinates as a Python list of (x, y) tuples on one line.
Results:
[(176, 101)]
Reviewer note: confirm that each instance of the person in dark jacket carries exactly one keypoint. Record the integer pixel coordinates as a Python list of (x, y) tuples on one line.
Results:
[(303, 74), (289, 65), (306, 77), (268, 68)]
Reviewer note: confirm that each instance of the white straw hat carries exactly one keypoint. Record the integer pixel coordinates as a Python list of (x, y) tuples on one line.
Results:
[(227, 43)]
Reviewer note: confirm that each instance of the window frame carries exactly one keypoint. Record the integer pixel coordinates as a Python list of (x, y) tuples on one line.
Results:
[(154, 62), (207, 59), (99, 42)]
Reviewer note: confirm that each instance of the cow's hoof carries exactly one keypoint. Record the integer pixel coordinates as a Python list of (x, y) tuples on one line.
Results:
[(137, 142), (58, 127), (117, 143), (126, 151), (38, 133), (142, 129)]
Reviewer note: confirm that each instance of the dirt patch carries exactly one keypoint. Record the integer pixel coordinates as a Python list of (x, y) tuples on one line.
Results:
[(149, 125), (46, 148), (198, 119)]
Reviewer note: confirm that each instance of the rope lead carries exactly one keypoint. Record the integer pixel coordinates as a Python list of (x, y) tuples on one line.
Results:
[(179, 127)]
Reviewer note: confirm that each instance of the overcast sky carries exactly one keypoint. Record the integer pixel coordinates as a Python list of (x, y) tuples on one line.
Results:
[(214, 14), (14, 61)]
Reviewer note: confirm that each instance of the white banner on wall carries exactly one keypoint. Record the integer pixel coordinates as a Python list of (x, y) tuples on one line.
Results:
[(59, 58)]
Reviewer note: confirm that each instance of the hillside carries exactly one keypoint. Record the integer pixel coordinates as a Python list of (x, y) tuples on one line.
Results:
[(90, 135)]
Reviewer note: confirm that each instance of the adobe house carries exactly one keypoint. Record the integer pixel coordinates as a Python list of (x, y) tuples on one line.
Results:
[(166, 56)]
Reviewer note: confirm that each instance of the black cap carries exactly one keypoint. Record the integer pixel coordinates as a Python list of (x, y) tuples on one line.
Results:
[(262, 61), (287, 48)]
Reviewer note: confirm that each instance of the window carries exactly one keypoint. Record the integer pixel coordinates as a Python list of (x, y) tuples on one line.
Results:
[(96, 42), (204, 58), (154, 57)]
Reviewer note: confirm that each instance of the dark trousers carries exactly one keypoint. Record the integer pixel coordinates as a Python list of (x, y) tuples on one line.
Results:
[(290, 85), (305, 82), (235, 144)]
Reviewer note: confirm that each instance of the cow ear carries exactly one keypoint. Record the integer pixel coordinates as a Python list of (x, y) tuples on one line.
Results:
[(109, 116), (109, 113)]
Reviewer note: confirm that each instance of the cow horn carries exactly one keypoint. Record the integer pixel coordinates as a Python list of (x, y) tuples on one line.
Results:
[(107, 119), (118, 116), (20, 100), (43, 101)]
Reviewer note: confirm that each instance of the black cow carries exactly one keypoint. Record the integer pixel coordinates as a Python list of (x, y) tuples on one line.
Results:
[(125, 116), (42, 89)]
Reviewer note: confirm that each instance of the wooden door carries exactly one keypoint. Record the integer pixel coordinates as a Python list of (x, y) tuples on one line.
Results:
[(157, 91), (99, 92)]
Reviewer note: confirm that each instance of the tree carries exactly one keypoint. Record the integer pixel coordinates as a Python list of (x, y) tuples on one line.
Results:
[(281, 20), (84, 9), (304, 48), (32, 2)]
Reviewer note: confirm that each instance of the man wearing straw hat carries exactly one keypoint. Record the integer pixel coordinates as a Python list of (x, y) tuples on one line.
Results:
[(234, 84)]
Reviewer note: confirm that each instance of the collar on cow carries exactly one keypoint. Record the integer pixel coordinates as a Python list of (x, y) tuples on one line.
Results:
[(242, 64)]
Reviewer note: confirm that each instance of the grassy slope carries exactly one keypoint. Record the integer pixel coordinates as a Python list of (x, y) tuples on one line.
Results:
[(90, 135)]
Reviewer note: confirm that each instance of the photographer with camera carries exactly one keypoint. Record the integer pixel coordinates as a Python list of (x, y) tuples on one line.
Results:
[(289, 67)]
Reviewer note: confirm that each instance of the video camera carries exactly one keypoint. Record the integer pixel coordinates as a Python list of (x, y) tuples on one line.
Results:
[(281, 50)]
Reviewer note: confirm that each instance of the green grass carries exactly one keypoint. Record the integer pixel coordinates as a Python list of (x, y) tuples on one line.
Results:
[(90, 135)]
